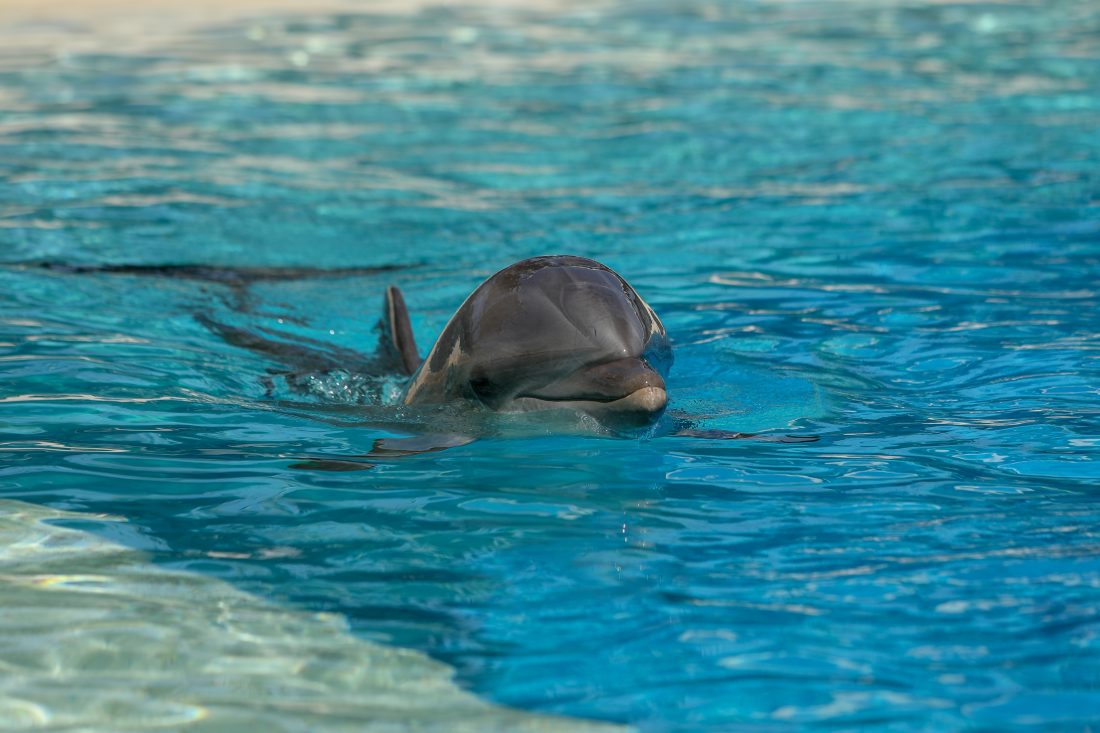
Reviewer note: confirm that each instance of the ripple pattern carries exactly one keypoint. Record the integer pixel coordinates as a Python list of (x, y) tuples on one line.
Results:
[(874, 222)]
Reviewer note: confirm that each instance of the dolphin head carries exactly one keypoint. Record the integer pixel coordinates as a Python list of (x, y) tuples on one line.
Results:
[(553, 333)]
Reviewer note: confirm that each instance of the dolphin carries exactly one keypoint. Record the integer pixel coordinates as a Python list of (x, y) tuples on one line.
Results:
[(549, 343), (554, 333)]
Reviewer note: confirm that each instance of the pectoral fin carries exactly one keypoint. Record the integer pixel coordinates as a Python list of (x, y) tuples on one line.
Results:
[(729, 435), (386, 448), (430, 443), (325, 464)]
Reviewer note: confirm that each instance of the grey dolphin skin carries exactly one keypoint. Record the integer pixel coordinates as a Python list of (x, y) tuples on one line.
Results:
[(548, 333)]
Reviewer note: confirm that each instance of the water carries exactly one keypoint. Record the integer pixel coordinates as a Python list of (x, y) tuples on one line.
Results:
[(877, 223), (95, 638)]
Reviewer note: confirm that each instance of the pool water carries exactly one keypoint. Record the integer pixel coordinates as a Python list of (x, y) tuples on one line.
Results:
[(877, 223)]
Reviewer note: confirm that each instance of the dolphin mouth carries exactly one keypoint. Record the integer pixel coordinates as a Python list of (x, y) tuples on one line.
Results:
[(621, 394), (646, 399), (605, 382), (653, 396), (570, 399), (638, 409)]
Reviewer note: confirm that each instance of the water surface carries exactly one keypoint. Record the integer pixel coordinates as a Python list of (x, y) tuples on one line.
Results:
[(877, 223)]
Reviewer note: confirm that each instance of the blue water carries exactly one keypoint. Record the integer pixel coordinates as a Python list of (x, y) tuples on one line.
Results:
[(876, 223)]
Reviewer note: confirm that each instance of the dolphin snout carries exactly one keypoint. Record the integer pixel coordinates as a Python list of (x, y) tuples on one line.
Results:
[(634, 393), (624, 394), (621, 378), (605, 382)]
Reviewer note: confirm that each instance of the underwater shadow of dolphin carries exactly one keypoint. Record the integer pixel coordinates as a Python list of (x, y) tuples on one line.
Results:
[(562, 336)]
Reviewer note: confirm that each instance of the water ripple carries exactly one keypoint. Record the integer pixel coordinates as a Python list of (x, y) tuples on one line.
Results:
[(873, 222)]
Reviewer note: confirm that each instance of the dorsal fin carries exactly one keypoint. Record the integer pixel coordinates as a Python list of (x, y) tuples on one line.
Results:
[(397, 345)]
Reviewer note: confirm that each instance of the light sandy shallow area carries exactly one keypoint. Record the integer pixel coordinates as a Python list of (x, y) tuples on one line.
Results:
[(96, 638)]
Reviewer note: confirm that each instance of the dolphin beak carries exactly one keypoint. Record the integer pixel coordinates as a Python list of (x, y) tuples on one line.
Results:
[(624, 394), (638, 392), (639, 409)]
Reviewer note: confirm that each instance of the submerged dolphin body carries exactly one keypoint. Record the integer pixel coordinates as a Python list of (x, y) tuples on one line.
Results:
[(553, 333)]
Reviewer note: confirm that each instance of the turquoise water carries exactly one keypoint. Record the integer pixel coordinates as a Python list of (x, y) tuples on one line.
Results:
[(876, 223)]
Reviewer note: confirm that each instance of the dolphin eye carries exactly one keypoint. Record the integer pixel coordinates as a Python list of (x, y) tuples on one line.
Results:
[(483, 389)]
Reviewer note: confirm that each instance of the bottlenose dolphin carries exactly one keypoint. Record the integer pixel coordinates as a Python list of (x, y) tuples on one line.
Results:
[(548, 333), (560, 336)]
